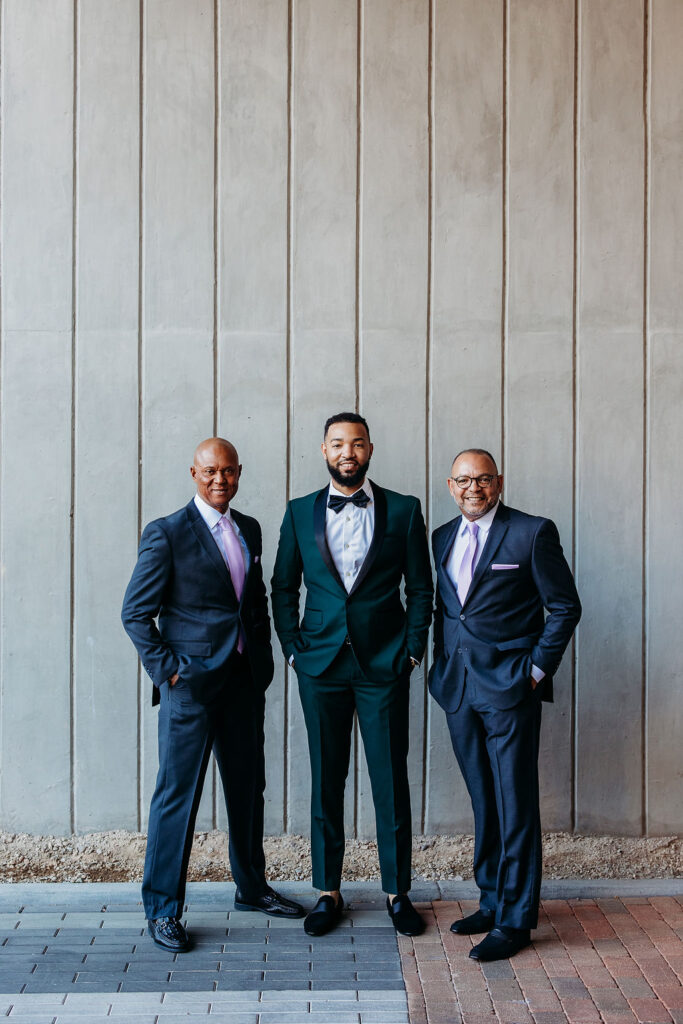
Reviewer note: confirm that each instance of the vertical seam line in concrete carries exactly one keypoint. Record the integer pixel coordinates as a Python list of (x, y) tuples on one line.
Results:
[(359, 193), (2, 351), (357, 781), (216, 206), (216, 272), (428, 376), (141, 280), (72, 494), (647, 142), (505, 240), (575, 396), (288, 368)]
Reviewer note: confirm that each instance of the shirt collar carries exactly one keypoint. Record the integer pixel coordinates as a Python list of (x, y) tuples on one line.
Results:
[(366, 487), (484, 523), (210, 515)]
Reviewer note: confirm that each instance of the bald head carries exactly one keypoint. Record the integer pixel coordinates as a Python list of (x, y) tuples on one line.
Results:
[(212, 444), (216, 471)]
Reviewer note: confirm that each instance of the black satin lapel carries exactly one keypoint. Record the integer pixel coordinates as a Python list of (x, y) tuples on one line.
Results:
[(319, 517), (380, 500), (450, 540), (203, 535), (496, 533)]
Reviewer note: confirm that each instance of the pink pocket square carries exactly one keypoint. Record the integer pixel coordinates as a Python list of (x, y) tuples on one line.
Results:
[(501, 565)]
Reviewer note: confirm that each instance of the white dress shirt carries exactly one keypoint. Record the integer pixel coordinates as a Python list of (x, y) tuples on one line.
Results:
[(212, 517), (349, 535), (458, 552), (462, 542)]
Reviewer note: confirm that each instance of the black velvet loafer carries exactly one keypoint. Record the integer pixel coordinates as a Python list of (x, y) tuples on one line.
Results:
[(271, 903), (501, 943), (480, 921), (169, 934), (404, 916), (326, 914)]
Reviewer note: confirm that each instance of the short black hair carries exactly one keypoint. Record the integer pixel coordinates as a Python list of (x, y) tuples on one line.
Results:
[(476, 451), (346, 417)]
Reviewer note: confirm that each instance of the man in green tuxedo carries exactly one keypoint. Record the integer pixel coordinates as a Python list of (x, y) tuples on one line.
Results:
[(354, 543)]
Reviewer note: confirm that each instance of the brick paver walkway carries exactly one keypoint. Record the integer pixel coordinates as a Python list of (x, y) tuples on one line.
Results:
[(80, 955), (612, 960)]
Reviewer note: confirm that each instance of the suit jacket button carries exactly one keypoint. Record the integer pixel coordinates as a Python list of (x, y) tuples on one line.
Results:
[(462, 617)]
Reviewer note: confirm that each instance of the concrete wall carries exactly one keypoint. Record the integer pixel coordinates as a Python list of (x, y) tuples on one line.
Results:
[(462, 217)]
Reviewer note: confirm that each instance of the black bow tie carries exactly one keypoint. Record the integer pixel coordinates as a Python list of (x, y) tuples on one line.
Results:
[(338, 501)]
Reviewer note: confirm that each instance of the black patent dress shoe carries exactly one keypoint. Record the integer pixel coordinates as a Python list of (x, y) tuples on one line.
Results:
[(404, 916), (501, 943), (271, 903), (326, 914), (169, 934), (480, 921)]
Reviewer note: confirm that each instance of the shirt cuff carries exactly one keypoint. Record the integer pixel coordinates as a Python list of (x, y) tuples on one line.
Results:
[(537, 673), (291, 660)]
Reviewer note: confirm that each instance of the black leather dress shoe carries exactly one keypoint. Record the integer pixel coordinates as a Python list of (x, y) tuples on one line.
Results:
[(404, 916), (169, 934), (480, 921), (501, 943), (326, 914), (271, 903)]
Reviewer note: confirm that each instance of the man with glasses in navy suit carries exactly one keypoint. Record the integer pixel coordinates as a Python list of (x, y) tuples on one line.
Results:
[(499, 571)]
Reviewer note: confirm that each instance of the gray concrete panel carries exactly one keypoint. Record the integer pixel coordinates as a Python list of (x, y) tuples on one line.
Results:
[(252, 299), (323, 268), (609, 433), (394, 282), (467, 275), (178, 273), (105, 482), (539, 351), (37, 218), (664, 792)]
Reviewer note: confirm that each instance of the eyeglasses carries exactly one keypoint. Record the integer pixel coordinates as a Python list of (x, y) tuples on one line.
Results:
[(485, 480)]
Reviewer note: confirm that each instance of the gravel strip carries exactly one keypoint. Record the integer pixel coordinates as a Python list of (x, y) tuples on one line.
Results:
[(118, 857)]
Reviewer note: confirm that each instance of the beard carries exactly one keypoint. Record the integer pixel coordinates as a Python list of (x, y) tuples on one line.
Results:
[(354, 479)]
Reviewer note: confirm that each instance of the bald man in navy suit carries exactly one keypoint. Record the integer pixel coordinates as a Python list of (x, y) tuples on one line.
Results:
[(197, 612), (499, 571)]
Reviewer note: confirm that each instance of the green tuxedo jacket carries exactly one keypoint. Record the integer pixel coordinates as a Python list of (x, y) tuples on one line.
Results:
[(383, 632)]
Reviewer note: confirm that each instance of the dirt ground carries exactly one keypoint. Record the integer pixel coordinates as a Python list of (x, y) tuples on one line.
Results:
[(118, 857)]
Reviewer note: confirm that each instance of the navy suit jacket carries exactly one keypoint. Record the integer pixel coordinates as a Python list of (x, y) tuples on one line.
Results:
[(501, 630), (181, 581)]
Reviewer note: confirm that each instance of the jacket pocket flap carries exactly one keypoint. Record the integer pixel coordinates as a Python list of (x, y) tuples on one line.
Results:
[(313, 616), (201, 648), (522, 643)]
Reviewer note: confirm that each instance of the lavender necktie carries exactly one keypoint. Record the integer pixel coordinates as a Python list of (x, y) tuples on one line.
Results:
[(467, 564), (235, 560)]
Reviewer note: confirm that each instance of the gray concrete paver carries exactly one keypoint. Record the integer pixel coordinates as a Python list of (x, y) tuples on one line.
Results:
[(82, 954), (37, 1018)]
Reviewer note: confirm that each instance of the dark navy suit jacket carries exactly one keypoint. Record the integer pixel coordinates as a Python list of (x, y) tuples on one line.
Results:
[(501, 630), (181, 581)]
